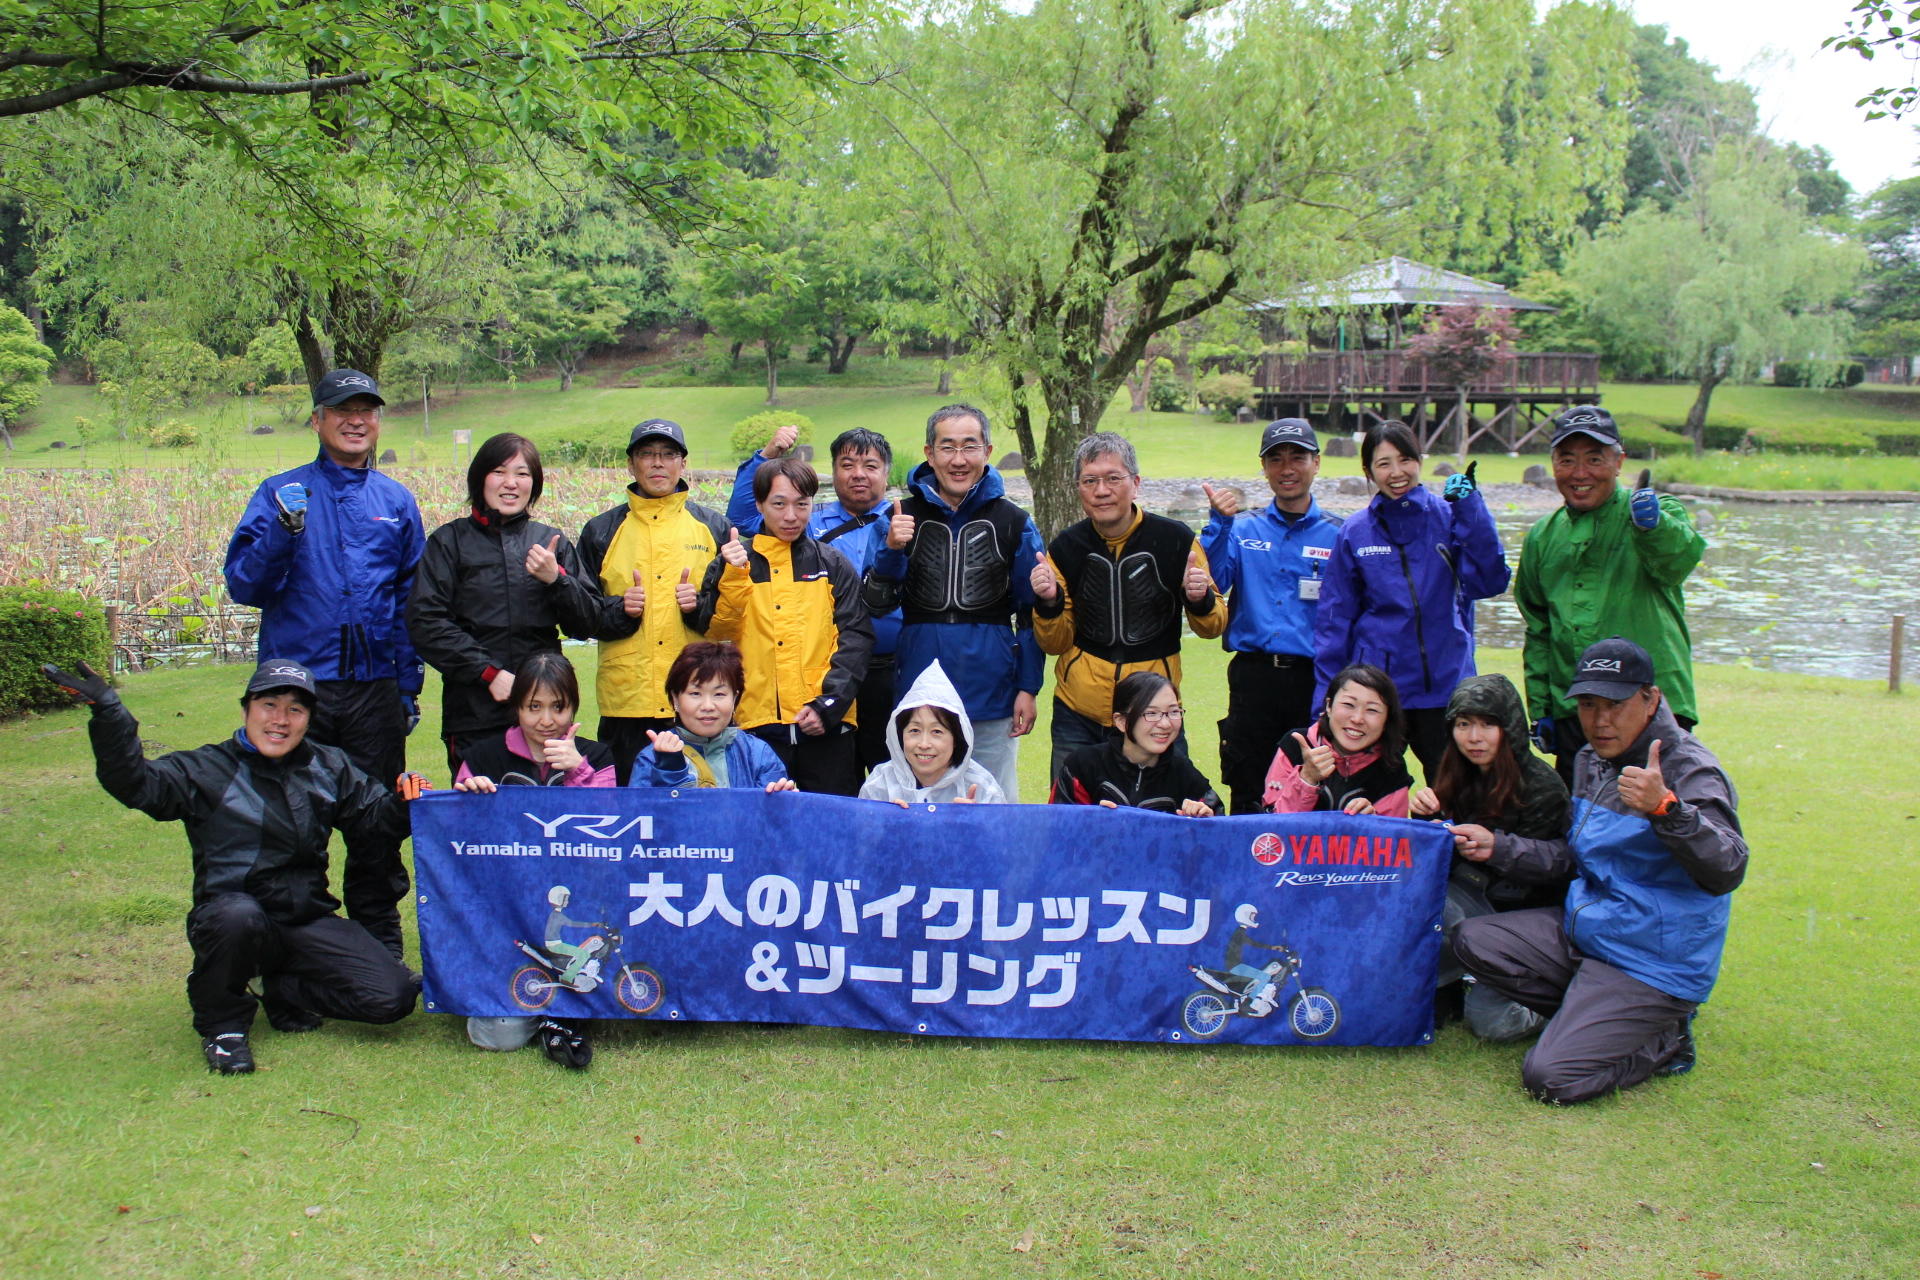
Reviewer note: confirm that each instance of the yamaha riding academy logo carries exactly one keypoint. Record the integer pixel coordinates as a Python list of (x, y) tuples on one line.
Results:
[(1600, 666), (1268, 849)]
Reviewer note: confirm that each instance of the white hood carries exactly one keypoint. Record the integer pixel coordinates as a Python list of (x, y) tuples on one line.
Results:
[(930, 689), (894, 780)]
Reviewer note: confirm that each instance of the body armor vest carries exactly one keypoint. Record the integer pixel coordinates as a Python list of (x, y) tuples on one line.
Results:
[(964, 574), (1129, 609)]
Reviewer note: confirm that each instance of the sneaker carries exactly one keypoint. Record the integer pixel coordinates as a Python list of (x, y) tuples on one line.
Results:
[(1683, 1057), (566, 1042), (228, 1053), (290, 1019)]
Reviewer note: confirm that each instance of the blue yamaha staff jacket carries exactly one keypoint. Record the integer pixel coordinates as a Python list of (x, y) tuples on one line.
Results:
[(1258, 560), (333, 597)]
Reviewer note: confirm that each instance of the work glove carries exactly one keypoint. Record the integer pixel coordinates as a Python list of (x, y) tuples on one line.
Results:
[(1461, 483), (1545, 736), (89, 686), (1644, 507), (291, 499), (410, 707)]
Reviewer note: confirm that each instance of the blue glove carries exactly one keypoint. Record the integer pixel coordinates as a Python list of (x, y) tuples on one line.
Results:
[(292, 501), (1460, 484), (1644, 506), (1545, 736), (410, 706)]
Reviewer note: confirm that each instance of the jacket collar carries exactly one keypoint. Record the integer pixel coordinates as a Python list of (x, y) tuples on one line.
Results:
[(640, 502), (337, 475), (988, 487), (488, 518)]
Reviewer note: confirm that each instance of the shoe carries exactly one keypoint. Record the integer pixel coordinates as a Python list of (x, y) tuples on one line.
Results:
[(228, 1053), (566, 1042), (290, 1019), (1683, 1057)]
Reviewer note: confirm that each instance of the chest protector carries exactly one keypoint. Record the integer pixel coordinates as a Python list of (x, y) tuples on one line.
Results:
[(1126, 609), (963, 574)]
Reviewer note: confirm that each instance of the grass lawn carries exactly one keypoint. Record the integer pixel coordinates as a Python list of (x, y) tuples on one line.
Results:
[(1792, 1151)]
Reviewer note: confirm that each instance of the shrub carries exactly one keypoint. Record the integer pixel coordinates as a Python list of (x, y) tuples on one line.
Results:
[(174, 433), (38, 625), (1224, 393), (1818, 373), (752, 432), (1642, 435), (1903, 444), (1166, 393), (584, 453)]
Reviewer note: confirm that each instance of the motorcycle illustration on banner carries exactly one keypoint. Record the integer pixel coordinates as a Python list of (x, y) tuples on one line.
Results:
[(1239, 990), (580, 967)]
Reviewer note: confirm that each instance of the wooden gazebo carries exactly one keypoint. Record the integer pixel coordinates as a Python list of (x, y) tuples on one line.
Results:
[(1369, 376)]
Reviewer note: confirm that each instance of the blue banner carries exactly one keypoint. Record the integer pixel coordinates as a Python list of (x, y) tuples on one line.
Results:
[(976, 920)]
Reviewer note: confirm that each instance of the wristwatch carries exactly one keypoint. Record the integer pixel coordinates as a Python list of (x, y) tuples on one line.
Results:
[(1666, 804)]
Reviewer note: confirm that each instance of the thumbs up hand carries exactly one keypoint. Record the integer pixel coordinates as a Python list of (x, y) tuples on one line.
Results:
[(1224, 501), (1316, 763), (1644, 789), (899, 528), (634, 599), (1045, 582), (685, 594), (560, 753), (542, 560), (734, 551), (1197, 582)]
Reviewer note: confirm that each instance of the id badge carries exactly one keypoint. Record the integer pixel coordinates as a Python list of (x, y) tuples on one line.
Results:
[(1309, 588)]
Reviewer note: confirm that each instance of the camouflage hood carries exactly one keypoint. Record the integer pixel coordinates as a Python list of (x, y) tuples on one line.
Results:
[(1494, 697)]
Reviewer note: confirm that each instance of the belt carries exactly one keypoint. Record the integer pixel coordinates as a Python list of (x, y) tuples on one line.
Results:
[(1281, 660)]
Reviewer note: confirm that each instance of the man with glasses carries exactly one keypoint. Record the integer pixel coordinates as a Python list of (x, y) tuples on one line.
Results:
[(327, 553), (648, 556), (1110, 596), (958, 562)]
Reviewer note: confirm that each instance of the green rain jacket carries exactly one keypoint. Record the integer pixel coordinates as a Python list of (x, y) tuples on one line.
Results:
[(1593, 575)]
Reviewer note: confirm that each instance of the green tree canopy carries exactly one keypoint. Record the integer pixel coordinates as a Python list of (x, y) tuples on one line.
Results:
[(24, 362)]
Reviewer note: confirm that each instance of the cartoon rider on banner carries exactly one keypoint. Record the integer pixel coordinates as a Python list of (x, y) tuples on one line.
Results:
[(557, 919), (1247, 918)]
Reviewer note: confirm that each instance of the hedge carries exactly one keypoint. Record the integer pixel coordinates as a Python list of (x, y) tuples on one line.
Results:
[(1796, 373), (38, 625)]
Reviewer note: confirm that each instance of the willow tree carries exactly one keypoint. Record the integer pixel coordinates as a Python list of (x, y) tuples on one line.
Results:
[(1091, 173)]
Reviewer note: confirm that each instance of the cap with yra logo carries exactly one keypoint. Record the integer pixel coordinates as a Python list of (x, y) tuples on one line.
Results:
[(344, 384), (278, 673), (658, 429), (1586, 420), (1615, 669), (1285, 431)]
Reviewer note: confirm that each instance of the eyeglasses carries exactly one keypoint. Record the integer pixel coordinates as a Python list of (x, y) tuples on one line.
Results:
[(1170, 716), (658, 455), (966, 449), (1093, 484)]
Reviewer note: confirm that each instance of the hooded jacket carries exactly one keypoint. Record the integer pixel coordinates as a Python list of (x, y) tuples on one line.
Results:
[(1383, 782), (894, 779), (1650, 894), (256, 825), (1399, 593), (795, 611), (1542, 802), (750, 763), (659, 538), (1589, 575), (990, 656), (333, 597), (476, 611)]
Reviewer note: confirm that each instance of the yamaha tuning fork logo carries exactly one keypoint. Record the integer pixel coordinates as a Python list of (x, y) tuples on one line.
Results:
[(1268, 849)]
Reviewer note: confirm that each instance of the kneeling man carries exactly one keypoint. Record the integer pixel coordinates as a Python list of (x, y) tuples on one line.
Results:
[(1654, 847), (259, 809)]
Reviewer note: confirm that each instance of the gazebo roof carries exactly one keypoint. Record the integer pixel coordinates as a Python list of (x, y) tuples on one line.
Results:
[(1401, 282)]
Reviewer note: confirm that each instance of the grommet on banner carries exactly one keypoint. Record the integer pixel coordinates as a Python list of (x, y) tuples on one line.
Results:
[(423, 897)]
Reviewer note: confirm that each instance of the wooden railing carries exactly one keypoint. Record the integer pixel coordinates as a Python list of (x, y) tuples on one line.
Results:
[(1339, 373)]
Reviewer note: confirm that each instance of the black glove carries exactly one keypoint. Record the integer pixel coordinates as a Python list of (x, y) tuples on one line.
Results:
[(89, 686)]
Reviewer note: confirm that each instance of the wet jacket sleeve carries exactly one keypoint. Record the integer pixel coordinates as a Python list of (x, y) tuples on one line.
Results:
[(1478, 556), (611, 621), (763, 766), (649, 770), (574, 597), (369, 809), (1669, 551), (1286, 790), (161, 789), (1198, 788), (1537, 651), (455, 654), (412, 671), (260, 554), (1702, 830), (1032, 663), (743, 513), (1052, 619), (1208, 618), (1334, 618), (1223, 551), (854, 648), (730, 586), (1531, 861)]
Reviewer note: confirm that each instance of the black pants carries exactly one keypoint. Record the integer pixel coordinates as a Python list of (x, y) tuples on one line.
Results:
[(626, 737), (364, 718), (1605, 1029), (1427, 737), (329, 966), (1268, 697), (1569, 737), (828, 764), (875, 707)]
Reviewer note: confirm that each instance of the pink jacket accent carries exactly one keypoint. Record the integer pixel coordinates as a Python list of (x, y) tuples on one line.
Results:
[(1288, 792), (581, 775)]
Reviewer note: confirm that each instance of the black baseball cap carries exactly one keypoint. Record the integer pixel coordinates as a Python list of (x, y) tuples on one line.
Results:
[(658, 429), (279, 673), (1295, 431), (1615, 668), (1586, 420), (345, 384)]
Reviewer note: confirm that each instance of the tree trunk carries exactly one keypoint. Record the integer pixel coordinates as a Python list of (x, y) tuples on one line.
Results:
[(313, 356), (733, 355), (566, 375), (945, 386), (839, 351), (1074, 408), (1697, 415), (1460, 408), (773, 372), (6, 434), (1139, 385)]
